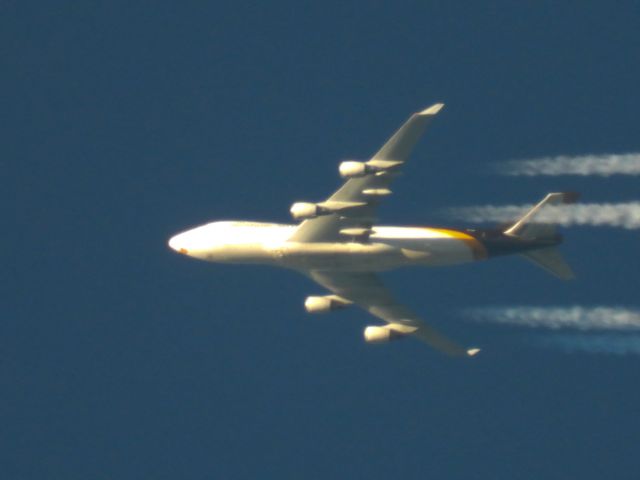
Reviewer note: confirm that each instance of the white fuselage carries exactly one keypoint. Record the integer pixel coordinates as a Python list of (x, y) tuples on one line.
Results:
[(267, 243)]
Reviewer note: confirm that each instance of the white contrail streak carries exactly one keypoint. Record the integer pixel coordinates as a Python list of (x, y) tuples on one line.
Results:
[(603, 165), (623, 215), (555, 318), (601, 343)]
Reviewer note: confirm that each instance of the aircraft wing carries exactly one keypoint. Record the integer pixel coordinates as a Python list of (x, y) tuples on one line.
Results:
[(367, 191), (367, 291)]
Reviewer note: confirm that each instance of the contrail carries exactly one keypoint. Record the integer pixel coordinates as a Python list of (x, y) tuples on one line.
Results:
[(601, 343), (622, 215), (555, 318), (603, 165)]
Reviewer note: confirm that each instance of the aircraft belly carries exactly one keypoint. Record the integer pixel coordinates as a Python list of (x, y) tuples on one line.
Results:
[(447, 252), (340, 256), (435, 252), (250, 253), (383, 255), (378, 255), (432, 246)]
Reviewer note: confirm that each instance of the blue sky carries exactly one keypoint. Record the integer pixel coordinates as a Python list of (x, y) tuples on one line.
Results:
[(127, 122)]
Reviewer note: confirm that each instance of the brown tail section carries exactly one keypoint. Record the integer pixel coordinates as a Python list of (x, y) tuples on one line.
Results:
[(548, 258)]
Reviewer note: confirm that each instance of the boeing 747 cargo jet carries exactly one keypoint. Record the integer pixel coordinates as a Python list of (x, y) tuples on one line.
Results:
[(338, 245)]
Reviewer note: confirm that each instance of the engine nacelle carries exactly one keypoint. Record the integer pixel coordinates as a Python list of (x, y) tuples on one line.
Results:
[(325, 304), (317, 304), (304, 210), (376, 334), (352, 169)]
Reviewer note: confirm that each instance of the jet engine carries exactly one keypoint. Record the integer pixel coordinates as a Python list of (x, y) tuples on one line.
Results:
[(375, 334), (325, 304), (351, 169), (304, 210)]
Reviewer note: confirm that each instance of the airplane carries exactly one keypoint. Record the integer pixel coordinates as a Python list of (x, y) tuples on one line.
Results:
[(339, 245)]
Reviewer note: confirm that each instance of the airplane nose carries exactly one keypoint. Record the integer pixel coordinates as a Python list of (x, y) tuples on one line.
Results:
[(175, 244)]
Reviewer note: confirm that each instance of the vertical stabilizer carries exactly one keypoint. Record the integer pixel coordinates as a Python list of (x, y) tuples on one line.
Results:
[(527, 229)]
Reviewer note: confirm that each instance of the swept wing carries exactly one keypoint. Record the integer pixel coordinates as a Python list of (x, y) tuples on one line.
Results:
[(368, 190), (367, 291)]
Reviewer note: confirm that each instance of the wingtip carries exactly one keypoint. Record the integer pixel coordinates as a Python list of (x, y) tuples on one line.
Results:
[(473, 352), (564, 197), (432, 110), (570, 197)]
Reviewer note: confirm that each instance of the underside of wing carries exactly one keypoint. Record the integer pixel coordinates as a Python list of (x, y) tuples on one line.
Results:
[(367, 291), (349, 212)]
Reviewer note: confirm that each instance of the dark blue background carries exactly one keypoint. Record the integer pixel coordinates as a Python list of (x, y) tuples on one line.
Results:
[(124, 123)]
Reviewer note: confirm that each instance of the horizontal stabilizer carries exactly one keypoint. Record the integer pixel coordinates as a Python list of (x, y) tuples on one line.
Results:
[(550, 260)]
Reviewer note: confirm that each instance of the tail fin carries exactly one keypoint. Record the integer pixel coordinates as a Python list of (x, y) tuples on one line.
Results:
[(548, 258), (525, 228)]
